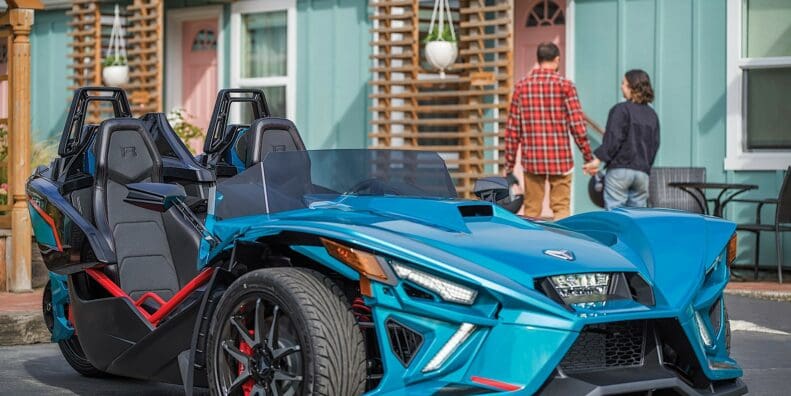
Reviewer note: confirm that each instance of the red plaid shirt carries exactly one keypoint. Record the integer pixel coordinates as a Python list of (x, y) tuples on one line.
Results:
[(544, 109)]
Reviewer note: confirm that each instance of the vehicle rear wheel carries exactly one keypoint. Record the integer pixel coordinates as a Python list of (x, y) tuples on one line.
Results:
[(285, 331), (70, 348)]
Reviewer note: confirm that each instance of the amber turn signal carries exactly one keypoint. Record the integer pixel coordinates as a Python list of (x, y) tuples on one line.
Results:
[(363, 262), (731, 249)]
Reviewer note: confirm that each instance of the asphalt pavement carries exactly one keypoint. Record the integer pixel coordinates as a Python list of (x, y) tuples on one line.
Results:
[(761, 343)]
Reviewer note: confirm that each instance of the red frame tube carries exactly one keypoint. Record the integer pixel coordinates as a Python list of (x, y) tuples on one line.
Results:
[(182, 294), (165, 307), (150, 295)]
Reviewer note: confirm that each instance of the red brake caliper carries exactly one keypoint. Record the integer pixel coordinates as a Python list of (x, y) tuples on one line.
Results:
[(247, 387)]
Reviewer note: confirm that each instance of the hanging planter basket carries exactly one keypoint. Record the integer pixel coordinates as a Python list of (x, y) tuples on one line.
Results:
[(116, 70), (114, 76), (441, 47)]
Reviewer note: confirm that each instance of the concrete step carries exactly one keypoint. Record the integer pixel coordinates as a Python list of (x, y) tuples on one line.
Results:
[(21, 320), (20, 328)]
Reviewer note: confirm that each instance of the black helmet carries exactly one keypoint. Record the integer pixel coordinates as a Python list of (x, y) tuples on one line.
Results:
[(497, 190), (596, 189)]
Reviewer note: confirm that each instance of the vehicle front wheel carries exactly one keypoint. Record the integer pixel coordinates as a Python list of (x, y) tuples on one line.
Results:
[(285, 331)]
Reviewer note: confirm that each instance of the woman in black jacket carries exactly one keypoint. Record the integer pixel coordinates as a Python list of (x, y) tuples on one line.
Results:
[(631, 141)]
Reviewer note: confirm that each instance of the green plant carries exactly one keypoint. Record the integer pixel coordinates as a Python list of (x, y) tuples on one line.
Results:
[(183, 128), (114, 60), (3, 170), (435, 35), (43, 152)]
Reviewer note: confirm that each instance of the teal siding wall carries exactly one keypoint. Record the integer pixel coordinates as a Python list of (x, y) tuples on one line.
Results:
[(332, 73), (332, 70), (49, 74), (682, 45)]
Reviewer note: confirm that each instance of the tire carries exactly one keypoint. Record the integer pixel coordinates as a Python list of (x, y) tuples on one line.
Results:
[(71, 348), (318, 348)]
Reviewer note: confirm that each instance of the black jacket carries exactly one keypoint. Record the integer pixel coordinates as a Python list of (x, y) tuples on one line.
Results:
[(632, 137)]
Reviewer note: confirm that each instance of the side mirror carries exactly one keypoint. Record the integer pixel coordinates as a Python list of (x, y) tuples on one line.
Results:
[(154, 196)]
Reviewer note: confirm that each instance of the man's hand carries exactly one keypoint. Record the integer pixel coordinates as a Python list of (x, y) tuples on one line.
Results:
[(592, 167)]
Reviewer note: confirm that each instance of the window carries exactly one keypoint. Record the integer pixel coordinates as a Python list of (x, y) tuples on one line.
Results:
[(759, 74), (545, 13), (263, 51), (205, 40)]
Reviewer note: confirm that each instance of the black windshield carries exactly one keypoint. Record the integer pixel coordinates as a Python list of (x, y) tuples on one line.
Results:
[(296, 179)]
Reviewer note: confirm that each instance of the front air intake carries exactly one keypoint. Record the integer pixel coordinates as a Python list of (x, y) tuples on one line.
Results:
[(608, 345), (404, 342)]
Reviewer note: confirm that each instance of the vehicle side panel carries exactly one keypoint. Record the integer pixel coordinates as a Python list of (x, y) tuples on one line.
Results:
[(61, 231)]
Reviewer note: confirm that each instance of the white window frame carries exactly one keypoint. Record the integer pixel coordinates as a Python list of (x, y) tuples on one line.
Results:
[(290, 79), (737, 157)]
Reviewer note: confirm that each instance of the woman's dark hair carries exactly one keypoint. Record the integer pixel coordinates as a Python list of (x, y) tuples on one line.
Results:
[(640, 84)]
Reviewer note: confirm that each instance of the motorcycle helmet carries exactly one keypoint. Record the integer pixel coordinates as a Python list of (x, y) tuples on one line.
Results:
[(596, 189), (498, 190)]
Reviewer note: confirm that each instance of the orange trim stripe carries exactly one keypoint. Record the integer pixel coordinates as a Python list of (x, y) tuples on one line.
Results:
[(47, 218), (503, 386)]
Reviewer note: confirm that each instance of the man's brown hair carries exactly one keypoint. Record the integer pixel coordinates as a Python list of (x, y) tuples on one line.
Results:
[(547, 52), (640, 85)]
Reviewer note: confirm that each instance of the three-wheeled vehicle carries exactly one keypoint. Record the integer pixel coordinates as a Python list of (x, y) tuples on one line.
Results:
[(264, 268)]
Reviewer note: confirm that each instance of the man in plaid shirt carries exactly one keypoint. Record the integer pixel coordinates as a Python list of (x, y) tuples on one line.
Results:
[(544, 110)]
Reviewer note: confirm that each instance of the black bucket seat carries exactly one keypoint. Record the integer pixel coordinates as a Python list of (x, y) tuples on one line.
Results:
[(270, 134), (155, 252), (249, 145)]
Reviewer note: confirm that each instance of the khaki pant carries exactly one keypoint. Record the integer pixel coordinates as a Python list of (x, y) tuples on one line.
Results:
[(559, 194)]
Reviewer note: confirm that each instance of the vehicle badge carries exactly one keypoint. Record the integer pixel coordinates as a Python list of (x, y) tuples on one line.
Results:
[(562, 254)]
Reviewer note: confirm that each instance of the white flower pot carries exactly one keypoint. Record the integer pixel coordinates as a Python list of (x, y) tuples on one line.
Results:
[(115, 76), (441, 54)]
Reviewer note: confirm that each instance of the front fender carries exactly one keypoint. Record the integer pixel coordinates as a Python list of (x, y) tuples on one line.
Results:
[(673, 248)]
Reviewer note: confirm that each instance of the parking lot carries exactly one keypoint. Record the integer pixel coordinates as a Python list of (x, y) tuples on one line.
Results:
[(761, 343)]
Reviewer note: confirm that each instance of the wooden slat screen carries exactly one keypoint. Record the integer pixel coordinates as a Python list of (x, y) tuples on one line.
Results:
[(462, 116), (90, 31)]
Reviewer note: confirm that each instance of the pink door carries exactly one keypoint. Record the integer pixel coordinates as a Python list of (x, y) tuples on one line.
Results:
[(537, 21), (199, 72)]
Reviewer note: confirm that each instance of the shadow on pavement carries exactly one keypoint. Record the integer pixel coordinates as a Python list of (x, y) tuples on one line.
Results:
[(61, 376)]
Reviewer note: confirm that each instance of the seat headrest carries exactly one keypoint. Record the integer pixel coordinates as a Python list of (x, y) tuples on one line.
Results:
[(270, 134), (125, 153)]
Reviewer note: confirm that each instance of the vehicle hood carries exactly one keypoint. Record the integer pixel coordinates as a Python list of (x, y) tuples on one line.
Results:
[(483, 237)]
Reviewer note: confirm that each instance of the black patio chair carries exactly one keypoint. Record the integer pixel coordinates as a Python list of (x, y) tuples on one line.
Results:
[(660, 195), (782, 222)]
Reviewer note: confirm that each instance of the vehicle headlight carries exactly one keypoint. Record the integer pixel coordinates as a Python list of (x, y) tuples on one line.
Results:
[(713, 265), (578, 288), (703, 330), (447, 290), (728, 255)]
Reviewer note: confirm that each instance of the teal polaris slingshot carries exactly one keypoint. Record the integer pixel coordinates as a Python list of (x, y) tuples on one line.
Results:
[(260, 268)]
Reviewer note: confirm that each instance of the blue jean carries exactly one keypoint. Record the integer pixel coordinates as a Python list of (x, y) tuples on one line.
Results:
[(625, 188)]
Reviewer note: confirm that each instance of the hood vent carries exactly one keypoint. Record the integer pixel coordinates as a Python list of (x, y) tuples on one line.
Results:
[(476, 210)]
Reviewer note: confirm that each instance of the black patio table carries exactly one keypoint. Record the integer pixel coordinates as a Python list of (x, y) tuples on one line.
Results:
[(722, 198)]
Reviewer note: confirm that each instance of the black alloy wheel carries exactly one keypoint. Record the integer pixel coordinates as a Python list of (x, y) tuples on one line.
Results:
[(260, 348), (284, 332)]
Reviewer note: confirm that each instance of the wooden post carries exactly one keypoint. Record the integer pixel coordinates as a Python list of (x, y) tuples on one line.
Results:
[(21, 21)]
